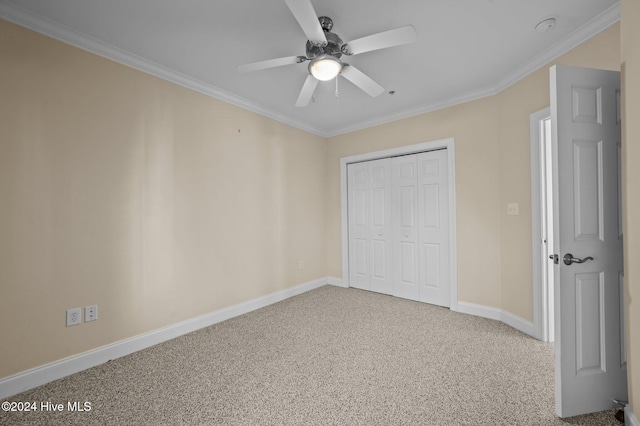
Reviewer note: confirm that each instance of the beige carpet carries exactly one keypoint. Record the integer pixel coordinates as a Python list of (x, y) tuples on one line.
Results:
[(331, 356)]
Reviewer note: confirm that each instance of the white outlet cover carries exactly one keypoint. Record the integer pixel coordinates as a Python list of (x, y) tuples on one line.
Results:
[(74, 316), (513, 209), (90, 313)]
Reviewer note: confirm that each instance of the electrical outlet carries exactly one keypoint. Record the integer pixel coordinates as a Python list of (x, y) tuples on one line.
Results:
[(301, 264), (513, 209), (74, 316), (90, 313)]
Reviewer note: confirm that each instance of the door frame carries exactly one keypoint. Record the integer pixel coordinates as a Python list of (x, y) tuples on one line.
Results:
[(541, 308), (449, 144)]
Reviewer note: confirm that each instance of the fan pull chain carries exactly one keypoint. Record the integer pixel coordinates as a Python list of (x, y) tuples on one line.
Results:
[(336, 86)]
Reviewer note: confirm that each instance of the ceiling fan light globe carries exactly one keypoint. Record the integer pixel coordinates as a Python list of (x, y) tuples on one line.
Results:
[(325, 68)]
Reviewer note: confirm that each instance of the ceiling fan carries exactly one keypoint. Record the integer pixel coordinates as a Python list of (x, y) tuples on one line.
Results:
[(324, 50)]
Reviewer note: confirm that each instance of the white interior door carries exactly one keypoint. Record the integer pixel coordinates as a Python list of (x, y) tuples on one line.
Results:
[(590, 361)]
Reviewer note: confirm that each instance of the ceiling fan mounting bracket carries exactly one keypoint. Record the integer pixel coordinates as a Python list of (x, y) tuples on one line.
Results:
[(326, 23)]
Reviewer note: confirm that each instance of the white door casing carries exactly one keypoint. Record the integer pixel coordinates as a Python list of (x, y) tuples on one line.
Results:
[(542, 224), (590, 361)]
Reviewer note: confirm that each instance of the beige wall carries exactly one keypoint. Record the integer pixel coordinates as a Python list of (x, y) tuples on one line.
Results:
[(155, 202), (492, 150), (630, 59)]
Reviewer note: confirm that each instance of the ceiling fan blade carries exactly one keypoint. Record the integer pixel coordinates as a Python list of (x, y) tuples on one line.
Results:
[(361, 80), (308, 19), (270, 63), (307, 91), (391, 38)]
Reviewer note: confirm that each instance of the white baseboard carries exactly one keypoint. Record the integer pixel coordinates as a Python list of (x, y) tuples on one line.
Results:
[(480, 310), (508, 318), (630, 419), (338, 282), (38, 376)]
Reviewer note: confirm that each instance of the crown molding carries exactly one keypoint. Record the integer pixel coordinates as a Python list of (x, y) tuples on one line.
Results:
[(59, 32), (573, 40), (412, 112), (44, 26), (579, 36)]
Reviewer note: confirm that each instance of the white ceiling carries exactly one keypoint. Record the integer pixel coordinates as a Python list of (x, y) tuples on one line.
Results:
[(465, 49)]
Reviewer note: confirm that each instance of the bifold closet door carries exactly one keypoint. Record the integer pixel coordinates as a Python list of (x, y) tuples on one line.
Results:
[(369, 214), (398, 214)]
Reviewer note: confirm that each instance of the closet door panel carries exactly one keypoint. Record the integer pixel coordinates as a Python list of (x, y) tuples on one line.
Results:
[(405, 227), (358, 211), (380, 251), (434, 227)]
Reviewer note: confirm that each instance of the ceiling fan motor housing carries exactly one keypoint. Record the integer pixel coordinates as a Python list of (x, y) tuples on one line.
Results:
[(334, 42)]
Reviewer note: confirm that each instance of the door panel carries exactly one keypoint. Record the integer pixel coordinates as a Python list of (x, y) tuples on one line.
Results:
[(430, 206), (407, 207), (359, 223), (369, 213), (434, 227), (587, 181), (379, 259), (590, 342), (431, 261), (360, 207), (379, 201), (361, 268), (405, 229), (586, 136), (380, 189), (407, 263)]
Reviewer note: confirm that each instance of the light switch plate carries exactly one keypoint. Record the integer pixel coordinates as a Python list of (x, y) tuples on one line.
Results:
[(513, 209)]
